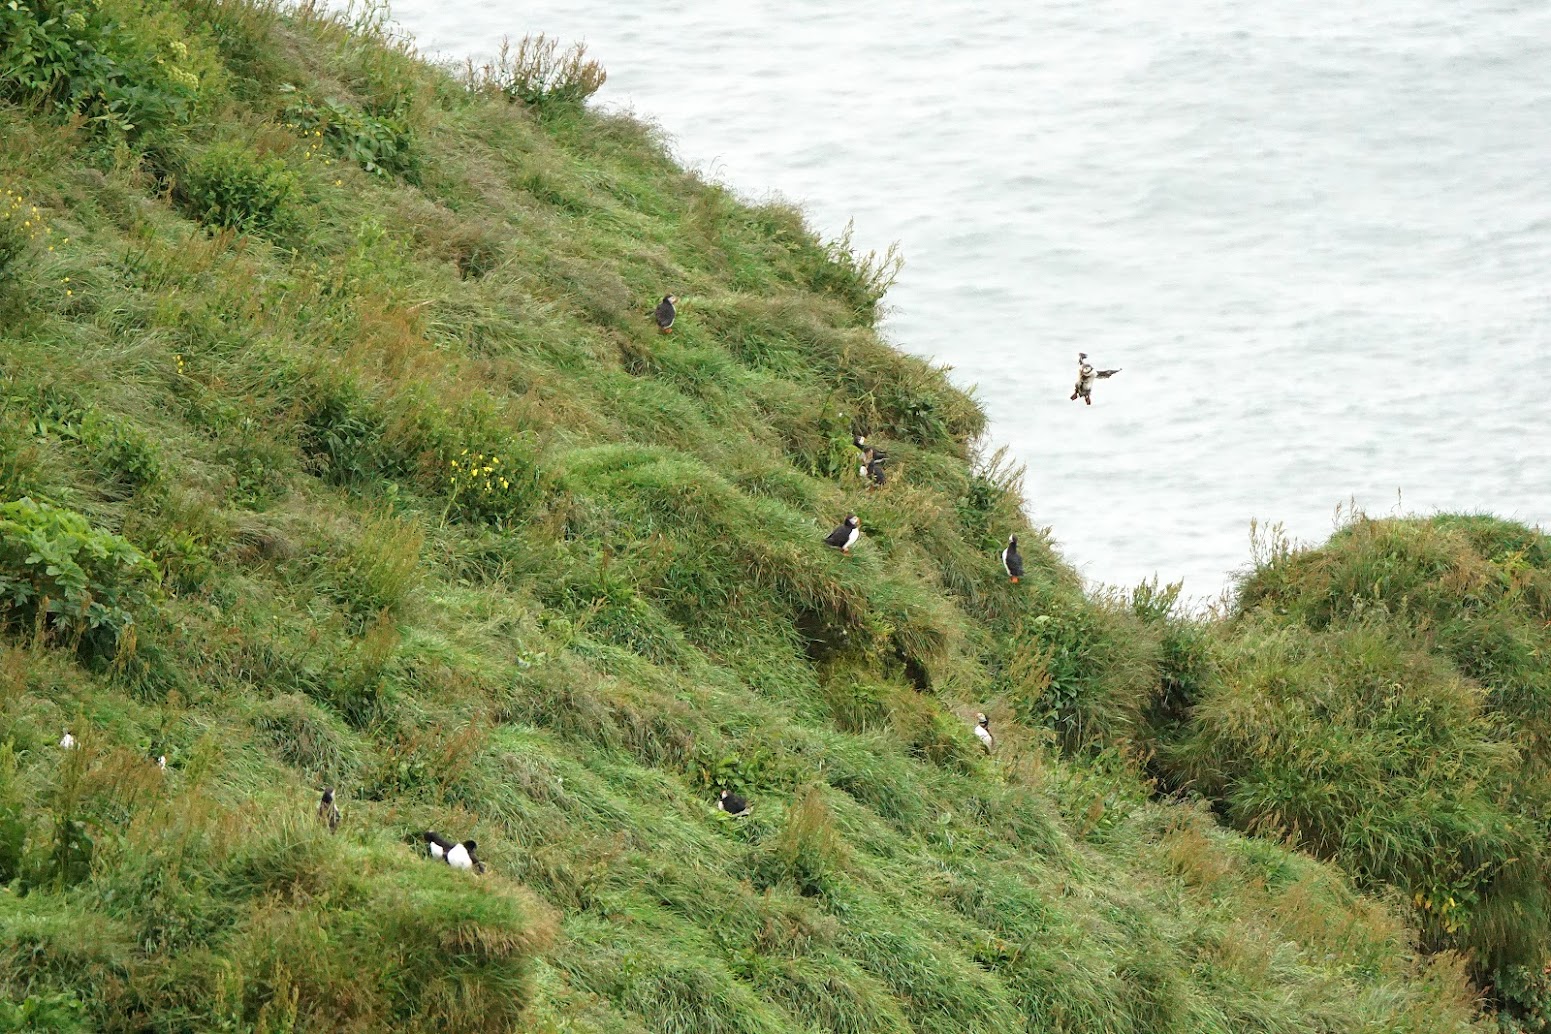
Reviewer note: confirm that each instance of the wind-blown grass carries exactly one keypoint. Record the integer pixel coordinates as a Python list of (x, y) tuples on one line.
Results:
[(284, 372)]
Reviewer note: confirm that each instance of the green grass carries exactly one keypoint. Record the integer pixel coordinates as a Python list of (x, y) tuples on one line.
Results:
[(1381, 701), (276, 362)]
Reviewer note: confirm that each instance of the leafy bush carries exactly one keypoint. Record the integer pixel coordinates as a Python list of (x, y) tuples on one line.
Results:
[(380, 142), (60, 1012), (538, 73), (89, 583), (230, 187), (123, 68)]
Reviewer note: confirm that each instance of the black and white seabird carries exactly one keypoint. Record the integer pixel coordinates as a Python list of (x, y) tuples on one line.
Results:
[(665, 313), (1012, 560), (161, 762), (732, 804), (1086, 375), (67, 741), (983, 730), (455, 854), (436, 845), (459, 856), (328, 811), (845, 536), (873, 458)]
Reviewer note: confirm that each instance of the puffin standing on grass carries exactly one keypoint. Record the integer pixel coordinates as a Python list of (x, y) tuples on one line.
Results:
[(1086, 375), (845, 536), (328, 811), (983, 730), (67, 741), (665, 313), (732, 804), (1012, 560)]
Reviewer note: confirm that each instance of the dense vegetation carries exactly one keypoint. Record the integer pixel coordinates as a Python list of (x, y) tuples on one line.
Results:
[(337, 447)]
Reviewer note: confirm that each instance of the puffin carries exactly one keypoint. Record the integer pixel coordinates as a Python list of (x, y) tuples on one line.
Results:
[(983, 730), (459, 856), (67, 741), (845, 536), (161, 762), (732, 804), (328, 811), (873, 458), (1086, 375), (665, 313), (1012, 560)]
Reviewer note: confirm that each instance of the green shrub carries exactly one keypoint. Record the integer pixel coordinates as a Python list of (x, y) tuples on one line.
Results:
[(90, 584), (381, 142), (230, 187), (123, 66), (60, 1012), (538, 73)]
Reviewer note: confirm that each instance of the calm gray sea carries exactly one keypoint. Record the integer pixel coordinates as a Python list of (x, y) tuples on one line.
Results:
[(1315, 238)]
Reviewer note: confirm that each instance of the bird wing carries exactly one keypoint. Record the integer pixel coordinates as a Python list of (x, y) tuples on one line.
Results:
[(1106, 373), (838, 537)]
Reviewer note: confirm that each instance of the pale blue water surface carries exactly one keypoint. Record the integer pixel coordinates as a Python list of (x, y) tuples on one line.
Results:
[(1317, 240)]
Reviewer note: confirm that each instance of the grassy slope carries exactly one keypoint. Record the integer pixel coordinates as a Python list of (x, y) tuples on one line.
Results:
[(1382, 699), (564, 668)]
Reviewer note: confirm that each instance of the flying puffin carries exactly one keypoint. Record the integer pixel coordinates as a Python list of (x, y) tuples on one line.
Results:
[(665, 313), (328, 811), (845, 536), (459, 856), (983, 730), (732, 804), (1012, 560), (1086, 375), (67, 741)]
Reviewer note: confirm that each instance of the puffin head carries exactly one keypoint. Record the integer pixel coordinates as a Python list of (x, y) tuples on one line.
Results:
[(1012, 540), (671, 299), (853, 520), (981, 719)]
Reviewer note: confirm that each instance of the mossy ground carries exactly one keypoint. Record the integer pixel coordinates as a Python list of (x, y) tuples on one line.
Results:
[(362, 361)]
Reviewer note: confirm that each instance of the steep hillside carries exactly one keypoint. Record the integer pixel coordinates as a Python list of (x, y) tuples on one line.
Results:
[(338, 448)]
